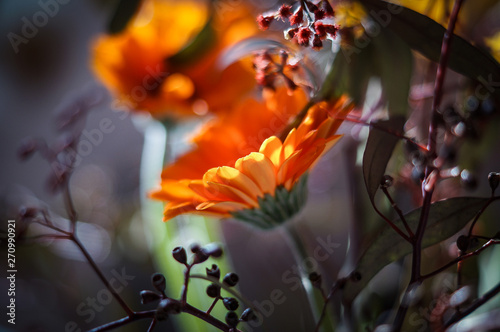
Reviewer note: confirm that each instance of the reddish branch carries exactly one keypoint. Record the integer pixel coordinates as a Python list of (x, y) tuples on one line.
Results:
[(428, 189)]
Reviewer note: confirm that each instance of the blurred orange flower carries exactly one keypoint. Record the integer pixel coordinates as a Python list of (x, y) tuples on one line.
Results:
[(241, 168), (165, 61)]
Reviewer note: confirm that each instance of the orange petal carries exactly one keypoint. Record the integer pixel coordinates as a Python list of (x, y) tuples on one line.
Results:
[(172, 190), (289, 144), (174, 209), (198, 186), (221, 207), (260, 169), (234, 178), (271, 148), (234, 194)]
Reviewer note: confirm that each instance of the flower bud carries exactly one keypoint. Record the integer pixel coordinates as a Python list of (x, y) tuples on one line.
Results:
[(230, 303), (213, 290), (159, 282), (232, 319), (168, 307), (494, 180), (179, 254), (148, 296), (213, 250), (195, 247), (248, 315), (463, 242), (200, 256), (387, 181), (231, 279), (213, 272)]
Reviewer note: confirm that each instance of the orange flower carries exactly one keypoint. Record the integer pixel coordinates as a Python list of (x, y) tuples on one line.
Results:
[(233, 172), (165, 61)]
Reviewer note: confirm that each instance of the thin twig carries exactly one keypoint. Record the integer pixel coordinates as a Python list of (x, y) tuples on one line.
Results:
[(398, 211), (460, 259), (431, 148), (476, 218), (185, 285), (101, 276), (476, 304), (124, 321), (390, 223), (332, 291), (152, 325), (212, 306)]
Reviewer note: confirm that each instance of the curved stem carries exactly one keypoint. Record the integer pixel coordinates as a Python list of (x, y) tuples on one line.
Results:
[(302, 255), (428, 189), (101, 276)]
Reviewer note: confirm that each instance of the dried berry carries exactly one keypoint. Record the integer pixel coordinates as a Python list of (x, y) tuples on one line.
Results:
[(230, 303), (231, 279), (180, 255)]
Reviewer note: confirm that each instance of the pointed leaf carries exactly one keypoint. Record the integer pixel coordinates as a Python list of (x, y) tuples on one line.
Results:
[(425, 36), (446, 218), (395, 62), (378, 151)]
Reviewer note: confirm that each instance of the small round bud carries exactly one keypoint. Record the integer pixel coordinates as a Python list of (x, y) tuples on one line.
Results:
[(168, 307), (200, 256), (463, 242), (386, 181), (195, 247), (231, 279), (213, 272), (213, 290), (230, 303), (148, 296), (494, 180), (213, 250), (159, 282), (180, 255), (232, 319), (248, 315)]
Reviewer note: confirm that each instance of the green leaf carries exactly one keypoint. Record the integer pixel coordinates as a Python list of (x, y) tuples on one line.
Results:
[(384, 56), (395, 62), (378, 151), (425, 36), (124, 11), (446, 218)]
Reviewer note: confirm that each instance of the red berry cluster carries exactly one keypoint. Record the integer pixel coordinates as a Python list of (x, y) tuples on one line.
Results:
[(307, 28), (269, 67)]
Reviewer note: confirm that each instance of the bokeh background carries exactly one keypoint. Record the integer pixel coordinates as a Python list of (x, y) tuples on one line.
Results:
[(45, 75)]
